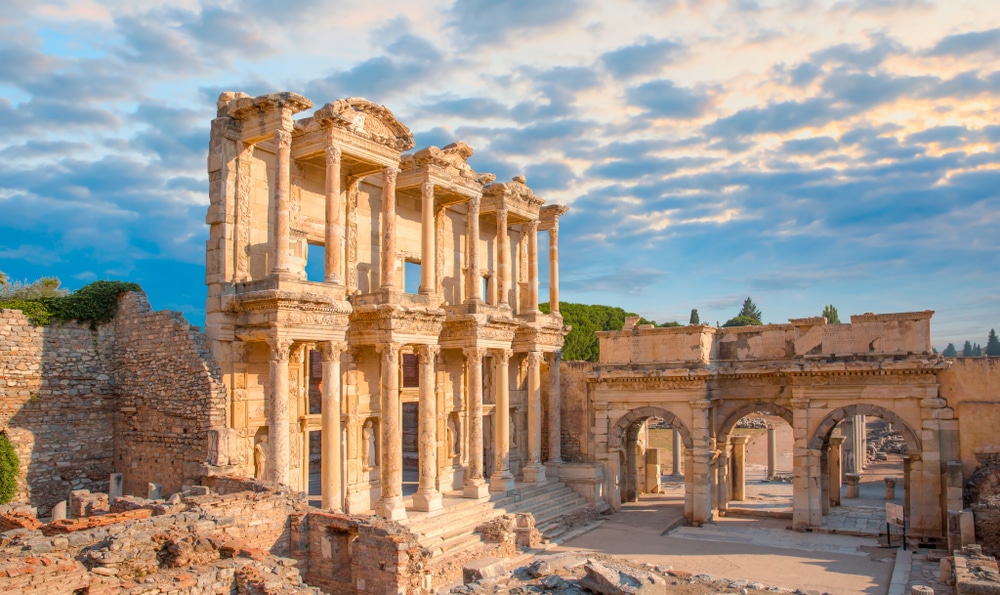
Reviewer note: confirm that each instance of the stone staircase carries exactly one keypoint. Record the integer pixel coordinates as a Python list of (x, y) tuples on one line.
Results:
[(451, 530)]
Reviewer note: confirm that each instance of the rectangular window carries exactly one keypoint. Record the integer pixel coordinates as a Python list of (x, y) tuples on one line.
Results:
[(411, 277), (411, 371), (316, 263)]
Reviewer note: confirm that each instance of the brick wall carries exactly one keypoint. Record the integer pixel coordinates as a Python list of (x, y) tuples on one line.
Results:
[(170, 393), (57, 406)]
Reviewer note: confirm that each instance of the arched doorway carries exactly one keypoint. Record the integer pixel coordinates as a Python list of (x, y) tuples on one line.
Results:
[(861, 451), (756, 445), (635, 461)]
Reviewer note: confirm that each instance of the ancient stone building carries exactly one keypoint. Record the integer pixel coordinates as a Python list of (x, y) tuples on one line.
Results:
[(820, 378), (382, 304)]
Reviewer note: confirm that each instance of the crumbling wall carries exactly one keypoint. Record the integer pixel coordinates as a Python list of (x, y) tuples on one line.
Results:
[(170, 394), (575, 411), (57, 406)]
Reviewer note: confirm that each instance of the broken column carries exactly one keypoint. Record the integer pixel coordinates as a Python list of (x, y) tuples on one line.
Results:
[(853, 480), (890, 487)]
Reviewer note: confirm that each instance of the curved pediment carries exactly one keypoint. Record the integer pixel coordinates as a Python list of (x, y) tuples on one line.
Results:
[(367, 120)]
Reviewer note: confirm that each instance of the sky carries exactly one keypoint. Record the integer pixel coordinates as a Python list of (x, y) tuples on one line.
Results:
[(798, 152)]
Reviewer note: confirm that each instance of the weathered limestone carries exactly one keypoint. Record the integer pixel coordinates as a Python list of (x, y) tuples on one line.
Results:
[(277, 419), (502, 479), (555, 409), (853, 480), (534, 472), (334, 227), (331, 472), (675, 437), (739, 480), (890, 487), (428, 498), (475, 484), (836, 469), (391, 462), (772, 453)]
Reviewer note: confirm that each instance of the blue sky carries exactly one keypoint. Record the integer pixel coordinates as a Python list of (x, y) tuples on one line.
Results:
[(801, 152)]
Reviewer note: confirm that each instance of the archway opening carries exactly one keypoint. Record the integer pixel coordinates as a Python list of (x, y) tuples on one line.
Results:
[(865, 469), (758, 464)]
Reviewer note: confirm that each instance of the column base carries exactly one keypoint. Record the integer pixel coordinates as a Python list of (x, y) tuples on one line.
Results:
[(476, 488), (534, 473), (427, 501), (501, 482), (392, 508), (552, 469)]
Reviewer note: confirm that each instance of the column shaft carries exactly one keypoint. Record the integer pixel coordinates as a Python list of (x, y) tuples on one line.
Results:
[(503, 255), (502, 479), (555, 409), (739, 467), (427, 252), (675, 469), (428, 497), (772, 453), (388, 277), (554, 268), (277, 411), (282, 180), (331, 470), (836, 470), (475, 485), (534, 472), (334, 226), (533, 265), (474, 282), (391, 505)]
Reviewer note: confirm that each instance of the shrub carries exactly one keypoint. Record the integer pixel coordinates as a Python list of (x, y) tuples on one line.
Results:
[(10, 469)]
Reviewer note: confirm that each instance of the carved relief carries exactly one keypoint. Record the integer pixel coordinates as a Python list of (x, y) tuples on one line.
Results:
[(352, 233), (243, 185)]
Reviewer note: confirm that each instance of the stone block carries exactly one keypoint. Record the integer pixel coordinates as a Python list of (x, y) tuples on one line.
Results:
[(614, 578), (483, 568)]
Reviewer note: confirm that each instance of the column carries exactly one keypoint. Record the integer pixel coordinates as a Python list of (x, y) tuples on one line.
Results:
[(391, 505), (427, 253), (332, 472), (334, 226), (502, 479), (475, 486), (554, 267), (475, 283), (675, 470), (699, 472), (277, 411), (427, 498), (824, 479), (555, 409), (388, 276), (836, 469), (282, 180), (533, 265), (503, 254), (772, 454), (534, 471), (739, 491), (806, 511)]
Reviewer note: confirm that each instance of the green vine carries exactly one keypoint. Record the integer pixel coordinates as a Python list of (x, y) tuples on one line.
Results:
[(95, 303), (10, 469)]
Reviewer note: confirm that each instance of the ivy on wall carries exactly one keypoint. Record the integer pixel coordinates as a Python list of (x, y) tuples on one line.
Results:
[(95, 303), (10, 468)]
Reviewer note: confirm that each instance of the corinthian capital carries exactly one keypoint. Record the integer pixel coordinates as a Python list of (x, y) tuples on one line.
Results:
[(281, 349), (389, 174), (474, 206), (333, 155), (283, 138)]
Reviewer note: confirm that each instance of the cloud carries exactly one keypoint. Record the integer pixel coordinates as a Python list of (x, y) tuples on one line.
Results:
[(663, 99), (810, 146), (625, 280), (962, 44), (550, 175), (646, 57), (482, 22), (784, 116)]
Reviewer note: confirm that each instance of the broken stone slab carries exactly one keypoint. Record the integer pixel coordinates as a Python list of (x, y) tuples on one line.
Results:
[(483, 568), (59, 511), (612, 578)]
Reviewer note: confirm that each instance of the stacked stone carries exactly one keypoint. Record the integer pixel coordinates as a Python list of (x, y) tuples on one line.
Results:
[(57, 406)]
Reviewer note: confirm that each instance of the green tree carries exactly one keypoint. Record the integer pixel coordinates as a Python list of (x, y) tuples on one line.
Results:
[(748, 315), (694, 317), (742, 321), (830, 313), (45, 287), (585, 320), (977, 350), (10, 469), (967, 349), (992, 344), (950, 351)]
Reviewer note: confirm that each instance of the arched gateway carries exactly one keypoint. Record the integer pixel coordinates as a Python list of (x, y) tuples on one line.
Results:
[(703, 380)]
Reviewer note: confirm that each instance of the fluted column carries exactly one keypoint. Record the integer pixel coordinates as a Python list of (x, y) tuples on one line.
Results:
[(331, 470), (554, 268), (502, 479), (391, 505), (555, 409), (503, 254), (277, 411), (282, 180), (388, 277), (475, 485), (427, 252), (534, 472), (474, 282), (428, 497), (533, 265), (334, 226)]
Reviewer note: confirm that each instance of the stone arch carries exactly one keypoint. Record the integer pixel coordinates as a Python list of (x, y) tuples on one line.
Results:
[(826, 426), (984, 483), (733, 418), (617, 433)]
